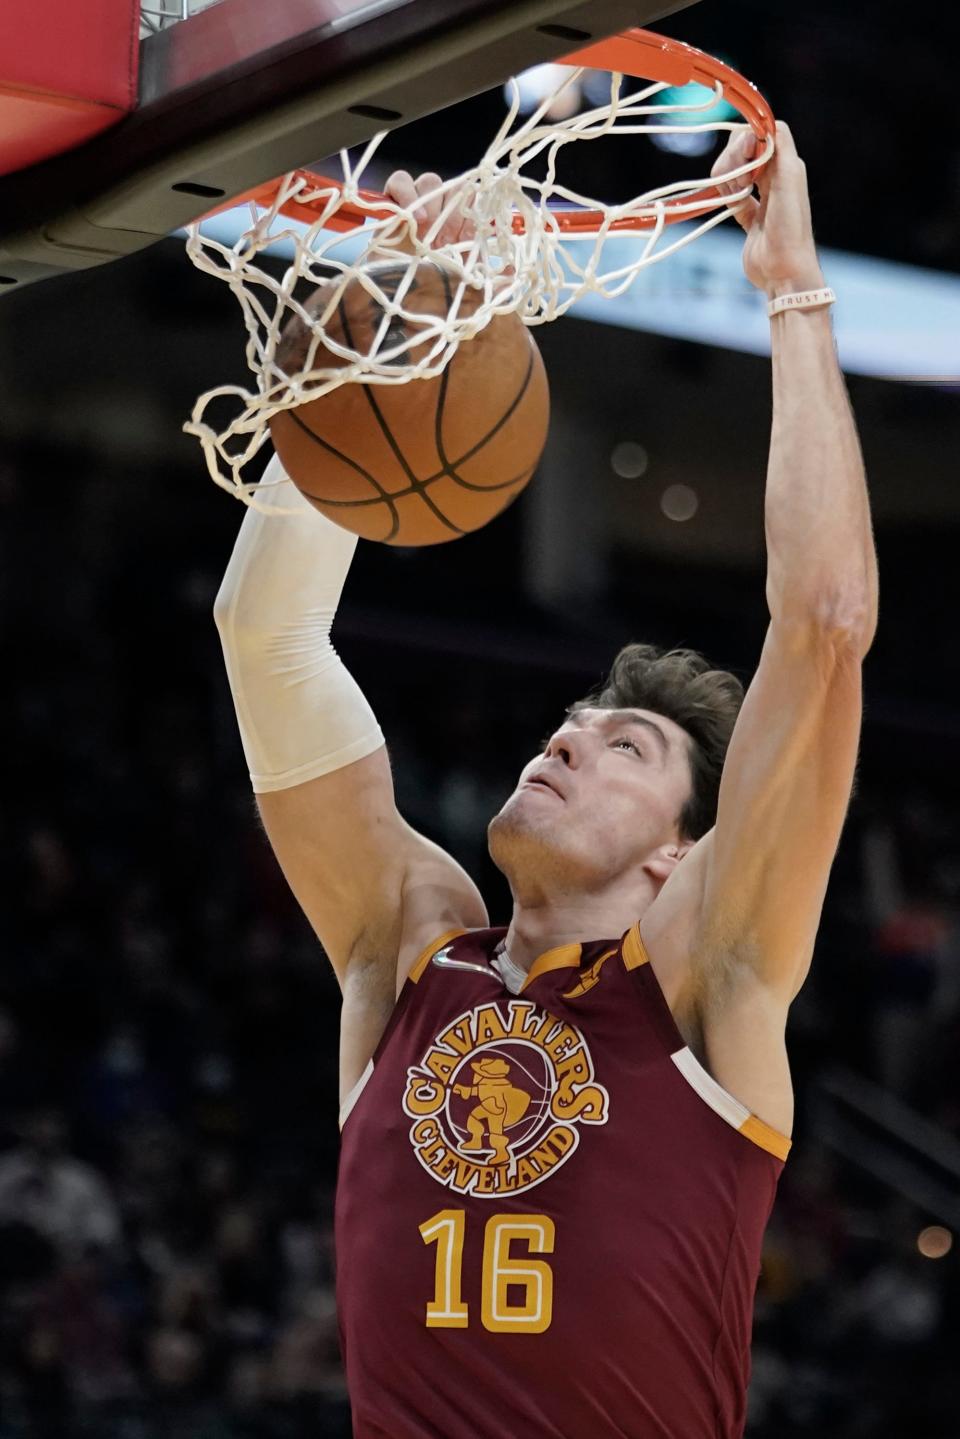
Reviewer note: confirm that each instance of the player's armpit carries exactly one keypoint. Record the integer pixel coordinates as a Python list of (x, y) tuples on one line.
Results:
[(438, 896), (786, 785)]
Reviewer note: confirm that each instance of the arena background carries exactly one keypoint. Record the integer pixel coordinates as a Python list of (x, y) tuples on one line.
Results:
[(168, 1024)]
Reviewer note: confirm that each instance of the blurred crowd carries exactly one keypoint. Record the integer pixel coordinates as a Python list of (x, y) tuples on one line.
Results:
[(168, 1024)]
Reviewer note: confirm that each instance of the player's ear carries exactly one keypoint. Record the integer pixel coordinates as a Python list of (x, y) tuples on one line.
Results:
[(663, 861)]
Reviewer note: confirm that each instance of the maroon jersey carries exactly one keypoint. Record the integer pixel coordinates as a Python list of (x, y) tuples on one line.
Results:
[(549, 1216)]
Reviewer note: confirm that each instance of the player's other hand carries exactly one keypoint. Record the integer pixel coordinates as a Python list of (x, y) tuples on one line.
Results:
[(780, 254), (405, 190)]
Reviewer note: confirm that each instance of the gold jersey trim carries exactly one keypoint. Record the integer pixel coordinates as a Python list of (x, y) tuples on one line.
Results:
[(767, 1137), (420, 964), (634, 953), (564, 956)]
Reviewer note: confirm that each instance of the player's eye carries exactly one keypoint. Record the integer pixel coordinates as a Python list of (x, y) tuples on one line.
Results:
[(623, 740)]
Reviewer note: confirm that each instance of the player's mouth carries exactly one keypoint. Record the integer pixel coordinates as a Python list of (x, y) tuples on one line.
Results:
[(540, 781)]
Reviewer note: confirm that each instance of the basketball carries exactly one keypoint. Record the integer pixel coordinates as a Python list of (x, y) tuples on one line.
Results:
[(429, 460)]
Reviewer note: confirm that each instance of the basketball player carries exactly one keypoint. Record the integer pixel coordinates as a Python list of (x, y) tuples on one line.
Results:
[(562, 1137)]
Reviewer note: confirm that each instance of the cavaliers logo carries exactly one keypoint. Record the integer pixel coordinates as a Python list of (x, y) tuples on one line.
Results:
[(498, 1099)]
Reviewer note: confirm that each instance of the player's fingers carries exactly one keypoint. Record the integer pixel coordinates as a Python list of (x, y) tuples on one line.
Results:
[(723, 163), (739, 150), (400, 188), (786, 170), (454, 228), (451, 232), (427, 212), (746, 213), (457, 227), (786, 164), (395, 234), (462, 228), (786, 145)]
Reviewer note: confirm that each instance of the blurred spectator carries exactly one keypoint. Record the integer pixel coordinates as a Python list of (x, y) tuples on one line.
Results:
[(61, 1197)]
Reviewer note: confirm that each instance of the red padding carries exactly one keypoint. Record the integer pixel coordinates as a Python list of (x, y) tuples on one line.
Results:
[(67, 71)]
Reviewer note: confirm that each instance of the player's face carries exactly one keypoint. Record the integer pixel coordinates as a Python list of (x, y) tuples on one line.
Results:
[(607, 790)]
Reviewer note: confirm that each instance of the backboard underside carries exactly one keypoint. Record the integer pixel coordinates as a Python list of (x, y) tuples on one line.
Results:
[(243, 92)]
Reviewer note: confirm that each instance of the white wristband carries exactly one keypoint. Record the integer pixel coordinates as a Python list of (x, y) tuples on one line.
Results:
[(802, 300)]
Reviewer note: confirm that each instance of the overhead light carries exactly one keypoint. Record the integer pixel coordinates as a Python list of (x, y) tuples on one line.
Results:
[(710, 110), (539, 82), (685, 142)]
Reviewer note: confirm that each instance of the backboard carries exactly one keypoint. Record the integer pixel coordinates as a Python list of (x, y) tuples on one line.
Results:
[(239, 92)]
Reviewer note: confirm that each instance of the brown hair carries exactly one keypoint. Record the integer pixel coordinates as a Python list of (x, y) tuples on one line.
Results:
[(682, 686)]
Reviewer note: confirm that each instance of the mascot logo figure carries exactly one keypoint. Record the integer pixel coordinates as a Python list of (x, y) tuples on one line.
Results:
[(499, 1097), (501, 1106)]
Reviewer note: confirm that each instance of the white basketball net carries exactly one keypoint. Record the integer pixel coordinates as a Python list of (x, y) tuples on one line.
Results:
[(537, 273)]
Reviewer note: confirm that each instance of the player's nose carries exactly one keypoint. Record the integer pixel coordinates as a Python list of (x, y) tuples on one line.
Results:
[(566, 747)]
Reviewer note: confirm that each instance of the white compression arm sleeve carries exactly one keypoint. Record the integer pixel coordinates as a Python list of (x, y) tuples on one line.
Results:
[(301, 714)]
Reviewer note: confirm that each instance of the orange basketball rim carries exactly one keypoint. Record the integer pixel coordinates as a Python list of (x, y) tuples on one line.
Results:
[(640, 54)]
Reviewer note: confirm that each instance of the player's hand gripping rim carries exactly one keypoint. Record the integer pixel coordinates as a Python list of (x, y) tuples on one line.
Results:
[(780, 254), (403, 189), (456, 228)]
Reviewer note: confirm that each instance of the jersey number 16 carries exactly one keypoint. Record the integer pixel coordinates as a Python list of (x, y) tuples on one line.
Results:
[(533, 1278)]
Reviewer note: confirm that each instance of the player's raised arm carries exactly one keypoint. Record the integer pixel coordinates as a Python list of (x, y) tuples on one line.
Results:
[(374, 890), (367, 882), (789, 770)]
